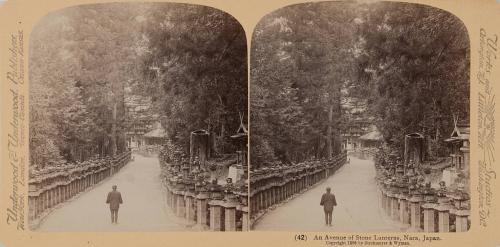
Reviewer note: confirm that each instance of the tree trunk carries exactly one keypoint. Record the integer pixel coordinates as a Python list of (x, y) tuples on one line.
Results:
[(222, 130), (329, 151), (102, 146), (113, 132)]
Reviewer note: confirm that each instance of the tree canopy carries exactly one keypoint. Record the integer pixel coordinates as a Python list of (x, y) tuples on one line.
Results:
[(407, 64), (190, 59), (197, 56)]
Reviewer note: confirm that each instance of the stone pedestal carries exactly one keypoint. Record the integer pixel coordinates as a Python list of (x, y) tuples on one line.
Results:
[(56, 195), (169, 197), (59, 194), (443, 210), (230, 218), (202, 209), (216, 215), (262, 199), (255, 207), (51, 197), (461, 220), (388, 205), (269, 197), (245, 226), (429, 217), (253, 204), (394, 208), (415, 202), (68, 191), (32, 203), (278, 194), (382, 200), (273, 196), (444, 221), (37, 208), (43, 204), (174, 202), (404, 212), (265, 199), (63, 193), (230, 214), (181, 206), (190, 210), (285, 189)]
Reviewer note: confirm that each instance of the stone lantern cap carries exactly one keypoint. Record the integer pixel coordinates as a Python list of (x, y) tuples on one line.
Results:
[(416, 198), (458, 196), (429, 205), (200, 132), (242, 131), (443, 207), (461, 131), (216, 202), (462, 212)]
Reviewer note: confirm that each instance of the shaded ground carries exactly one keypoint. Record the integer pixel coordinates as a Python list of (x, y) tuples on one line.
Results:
[(143, 207), (358, 207)]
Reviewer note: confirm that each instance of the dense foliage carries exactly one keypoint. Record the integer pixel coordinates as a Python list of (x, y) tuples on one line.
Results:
[(409, 63), (80, 60), (299, 57), (190, 59), (418, 66), (200, 64)]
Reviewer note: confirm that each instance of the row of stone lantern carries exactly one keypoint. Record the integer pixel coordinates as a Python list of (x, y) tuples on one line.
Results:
[(207, 205), (272, 185), (407, 198), (192, 188), (51, 186)]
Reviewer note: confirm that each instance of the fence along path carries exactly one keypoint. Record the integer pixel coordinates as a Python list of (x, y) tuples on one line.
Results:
[(143, 207), (358, 209)]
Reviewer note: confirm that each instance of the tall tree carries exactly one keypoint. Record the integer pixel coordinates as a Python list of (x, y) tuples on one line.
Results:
[(298, 49), (80, 62), (195, 66), (417, 66)]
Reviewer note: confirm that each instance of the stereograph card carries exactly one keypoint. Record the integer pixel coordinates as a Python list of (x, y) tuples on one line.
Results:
[(249, 123)]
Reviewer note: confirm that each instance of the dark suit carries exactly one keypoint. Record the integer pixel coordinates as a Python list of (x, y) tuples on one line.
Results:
[(114, 200), (328, 202)]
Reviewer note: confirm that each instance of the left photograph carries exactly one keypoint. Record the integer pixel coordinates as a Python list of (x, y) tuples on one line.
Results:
[(138, 119)]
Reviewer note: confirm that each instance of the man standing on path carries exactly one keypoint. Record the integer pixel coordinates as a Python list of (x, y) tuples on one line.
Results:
[(328, 202), (114, 200)]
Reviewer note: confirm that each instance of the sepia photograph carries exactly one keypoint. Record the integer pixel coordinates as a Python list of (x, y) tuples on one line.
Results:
[(138, 119), (360, 119)]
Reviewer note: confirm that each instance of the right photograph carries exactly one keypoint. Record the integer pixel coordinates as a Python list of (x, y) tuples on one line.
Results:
[(359, 119)]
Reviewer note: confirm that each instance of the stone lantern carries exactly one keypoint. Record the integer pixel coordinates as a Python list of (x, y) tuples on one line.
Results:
[(195, 165), (410, 169), (241, 139), (458, 144), (400, 171), (200, 146), (228, 187), (185, 170), (414, 149), (461, 208)]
